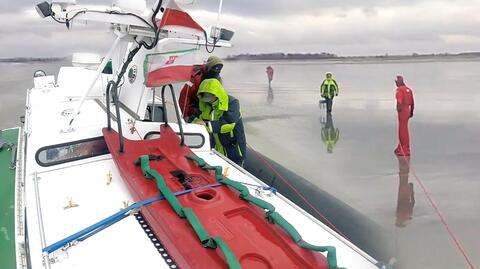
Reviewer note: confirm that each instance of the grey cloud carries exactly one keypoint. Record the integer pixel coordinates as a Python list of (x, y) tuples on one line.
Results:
[(342, 27), (254, 8), (242, 7)]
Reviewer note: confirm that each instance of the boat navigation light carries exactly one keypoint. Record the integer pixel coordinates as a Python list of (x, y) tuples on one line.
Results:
[(39, 73), (44, 9), (221, 33)]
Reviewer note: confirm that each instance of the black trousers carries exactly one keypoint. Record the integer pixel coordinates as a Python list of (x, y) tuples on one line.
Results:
[(329, 102)]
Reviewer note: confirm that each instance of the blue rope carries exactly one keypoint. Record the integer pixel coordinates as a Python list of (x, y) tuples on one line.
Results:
[(107, 222)]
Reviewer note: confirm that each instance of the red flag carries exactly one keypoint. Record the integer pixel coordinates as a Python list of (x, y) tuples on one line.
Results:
[(174, 17), (168, 68)]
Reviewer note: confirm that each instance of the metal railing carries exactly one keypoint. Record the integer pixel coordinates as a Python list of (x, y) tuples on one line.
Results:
[(177, 112), (46, 259), (112, 86)]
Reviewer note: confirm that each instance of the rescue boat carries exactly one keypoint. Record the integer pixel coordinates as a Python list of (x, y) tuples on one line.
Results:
[(107, 174)]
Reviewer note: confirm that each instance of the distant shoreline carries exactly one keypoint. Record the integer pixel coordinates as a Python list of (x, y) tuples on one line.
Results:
[(298, 56), (333, 57), (32, 59)]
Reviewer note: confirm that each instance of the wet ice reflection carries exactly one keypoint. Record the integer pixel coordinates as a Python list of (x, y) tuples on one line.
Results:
[(362, 169)]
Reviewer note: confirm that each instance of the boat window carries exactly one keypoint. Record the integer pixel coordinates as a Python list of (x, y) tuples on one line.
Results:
[(108, 68), (192, 140), (155, 114), (71, 151)]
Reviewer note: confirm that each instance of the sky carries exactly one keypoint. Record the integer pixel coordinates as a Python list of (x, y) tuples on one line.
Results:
[(342, 27)]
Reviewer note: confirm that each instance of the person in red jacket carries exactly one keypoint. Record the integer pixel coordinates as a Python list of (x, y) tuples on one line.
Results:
[(269, 72), (405, 105), (188, 100)]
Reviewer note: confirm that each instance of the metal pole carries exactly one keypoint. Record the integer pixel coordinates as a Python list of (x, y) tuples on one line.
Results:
[(219, 12), (94, 80), (164, 104), (46, 259), (179, 118), (119, 121), (152, 115), (107, 102)]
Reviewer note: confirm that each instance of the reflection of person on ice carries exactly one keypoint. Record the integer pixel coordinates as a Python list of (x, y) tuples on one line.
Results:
[(328, 90), (405, 105), (406, 197), (269, 74), (330, 134)]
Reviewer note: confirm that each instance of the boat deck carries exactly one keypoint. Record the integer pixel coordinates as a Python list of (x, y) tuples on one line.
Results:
[(77, 194)]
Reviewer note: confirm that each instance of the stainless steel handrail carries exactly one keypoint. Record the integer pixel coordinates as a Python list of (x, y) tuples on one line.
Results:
[(45, 255)]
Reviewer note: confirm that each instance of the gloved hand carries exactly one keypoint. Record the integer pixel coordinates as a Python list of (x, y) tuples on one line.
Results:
[(198, 121)]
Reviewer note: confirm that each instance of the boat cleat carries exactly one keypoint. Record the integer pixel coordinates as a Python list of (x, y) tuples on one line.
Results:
[(70, 204), (225, 171), (261, 192), (135, 211), (51, 260), (66, 247), (109, 177), (132, 212), (69, 129)]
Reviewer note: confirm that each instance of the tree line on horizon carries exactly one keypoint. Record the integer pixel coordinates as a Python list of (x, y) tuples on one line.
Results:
[(325, 55)]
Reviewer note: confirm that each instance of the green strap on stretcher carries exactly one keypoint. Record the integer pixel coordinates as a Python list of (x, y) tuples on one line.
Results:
[(184, 212), (271, 215)]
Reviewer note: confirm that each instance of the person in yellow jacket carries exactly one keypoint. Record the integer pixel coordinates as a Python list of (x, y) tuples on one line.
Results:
[(220, 113), (328, 90)]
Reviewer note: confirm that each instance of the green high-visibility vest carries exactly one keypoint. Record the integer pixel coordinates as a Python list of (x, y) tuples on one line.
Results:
[(329, 88)]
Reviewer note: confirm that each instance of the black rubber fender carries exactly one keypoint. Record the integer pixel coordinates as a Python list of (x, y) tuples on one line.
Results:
[(356, 227)]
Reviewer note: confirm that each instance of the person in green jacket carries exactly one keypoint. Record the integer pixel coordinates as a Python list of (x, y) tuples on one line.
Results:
[(328, 90), (220, 113)]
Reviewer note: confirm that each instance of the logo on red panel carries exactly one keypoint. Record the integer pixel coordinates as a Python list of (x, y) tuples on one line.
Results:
[(171, 60)]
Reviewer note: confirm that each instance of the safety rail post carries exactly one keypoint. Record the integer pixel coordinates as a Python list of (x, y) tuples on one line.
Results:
[(46, 258), (164, 105), (111, 84), (177, 111), (107, 101)]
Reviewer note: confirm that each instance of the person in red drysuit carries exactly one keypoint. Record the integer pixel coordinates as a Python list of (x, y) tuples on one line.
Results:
[(188, 100), (405, 105), (269, 74)]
